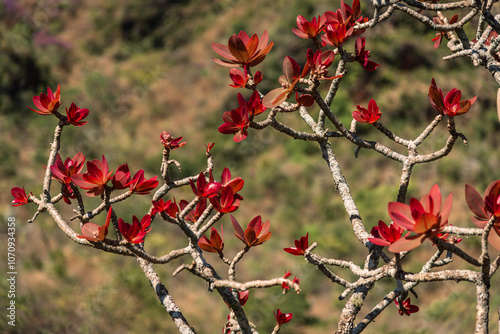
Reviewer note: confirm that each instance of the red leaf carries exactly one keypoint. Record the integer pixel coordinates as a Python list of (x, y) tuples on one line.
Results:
[(475, 202), (291, 69), (407, 243), (400, 214), (275, 97), (239, 231), (494, 239), (238, 48)]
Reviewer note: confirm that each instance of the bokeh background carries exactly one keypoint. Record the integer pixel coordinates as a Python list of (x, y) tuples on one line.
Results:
[(142, 67)]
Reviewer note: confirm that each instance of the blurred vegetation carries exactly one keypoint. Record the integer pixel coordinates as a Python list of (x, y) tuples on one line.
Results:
[(142, 67)]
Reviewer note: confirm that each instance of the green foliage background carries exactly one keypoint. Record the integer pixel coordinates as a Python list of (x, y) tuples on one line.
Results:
[(142, 67)]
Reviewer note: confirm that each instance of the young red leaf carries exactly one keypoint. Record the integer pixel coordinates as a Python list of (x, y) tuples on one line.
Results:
[(407, 243)]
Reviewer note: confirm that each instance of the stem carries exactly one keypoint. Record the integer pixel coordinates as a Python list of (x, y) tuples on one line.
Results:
[(345, 192), (232, 267), (165, 298), (483, 283), (405, 180), (54, 149), (482, 307)]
